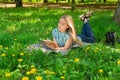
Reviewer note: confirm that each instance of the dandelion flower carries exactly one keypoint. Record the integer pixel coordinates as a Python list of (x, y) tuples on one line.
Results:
[(7, 74), (22, 54), (52, 72), (38, 78), (47, 71), (3, 55), (25, 78), (33, 70), (88, 48), (100, 70), (62, 77), (13, 55), (28, 72), (20, 60), (118, 62), (6, 48), (32, 66), (77, 60), (28, 47), (1, 46)]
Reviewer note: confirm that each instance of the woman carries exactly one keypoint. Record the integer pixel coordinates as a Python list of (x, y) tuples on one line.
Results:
[(64, 35)]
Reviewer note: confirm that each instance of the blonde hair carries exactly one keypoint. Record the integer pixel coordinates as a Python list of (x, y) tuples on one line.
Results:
[(72, 31)]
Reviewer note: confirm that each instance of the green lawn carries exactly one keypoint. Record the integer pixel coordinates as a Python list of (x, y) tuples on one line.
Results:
[(21, 27)]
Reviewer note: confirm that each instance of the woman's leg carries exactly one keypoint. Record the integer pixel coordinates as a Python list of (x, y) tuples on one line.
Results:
[(86, 39), (87, 34), (88, 31)]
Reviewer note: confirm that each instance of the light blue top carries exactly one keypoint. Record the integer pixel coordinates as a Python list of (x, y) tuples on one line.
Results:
[(60, 37)]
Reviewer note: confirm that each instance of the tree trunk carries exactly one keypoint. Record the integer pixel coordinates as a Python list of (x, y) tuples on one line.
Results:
[(18, 3), (118, 1), (104, 0), (91, 0), (56, 1), (116, 16), (73, 5), (30, 0), (82, 0), (68, 1), (45, 1), (99, 0)]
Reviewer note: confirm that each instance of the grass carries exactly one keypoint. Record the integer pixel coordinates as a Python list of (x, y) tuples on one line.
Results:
[(21, 27)]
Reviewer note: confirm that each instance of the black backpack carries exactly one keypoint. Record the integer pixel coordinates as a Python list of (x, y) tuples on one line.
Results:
[(110, 37)]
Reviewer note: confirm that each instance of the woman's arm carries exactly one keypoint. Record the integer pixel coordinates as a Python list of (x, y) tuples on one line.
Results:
[(67, 45), (56, 47)]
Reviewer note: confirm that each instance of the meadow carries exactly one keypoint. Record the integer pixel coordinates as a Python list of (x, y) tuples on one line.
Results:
[(21, 27)]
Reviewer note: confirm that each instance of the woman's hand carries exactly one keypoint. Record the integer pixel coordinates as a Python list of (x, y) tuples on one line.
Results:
[(50, 44)]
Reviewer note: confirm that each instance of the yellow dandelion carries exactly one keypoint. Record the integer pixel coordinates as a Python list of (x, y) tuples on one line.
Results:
[(6, 48), (1, 46), (22, 54), (100, 70), (88, 48), (28, 47), (33, 70), (32, 66), (7, 74), (25, 78), (118, 62), (20, 60), (3, 54), (38, 78), (47, 71), (62, 77), (52, 72), (13, 55), (28, 72), (77, 60)]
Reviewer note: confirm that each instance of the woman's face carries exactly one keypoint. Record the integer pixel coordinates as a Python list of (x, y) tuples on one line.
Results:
[(62, 25)]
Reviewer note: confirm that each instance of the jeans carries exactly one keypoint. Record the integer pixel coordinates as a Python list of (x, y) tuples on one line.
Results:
[(87, 34)]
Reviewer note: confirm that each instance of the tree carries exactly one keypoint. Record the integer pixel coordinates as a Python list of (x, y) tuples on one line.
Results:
[(30, 0), (82, 0), (99, 0), (68, 1), (92, 0), (18, 3), (56, 1), (73, 5), (116, 16), (45, 1), (104, 0)]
